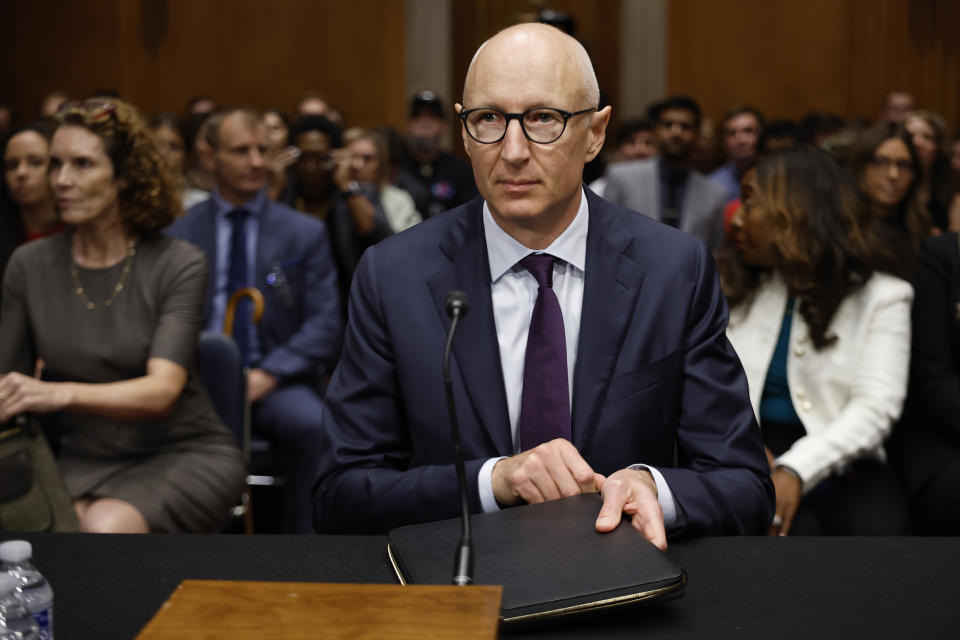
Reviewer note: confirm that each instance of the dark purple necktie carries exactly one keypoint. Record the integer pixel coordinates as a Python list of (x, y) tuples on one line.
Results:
[(545, 404), (237, 279)]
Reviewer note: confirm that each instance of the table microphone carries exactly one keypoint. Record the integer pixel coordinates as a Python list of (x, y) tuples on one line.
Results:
[(463, 560)]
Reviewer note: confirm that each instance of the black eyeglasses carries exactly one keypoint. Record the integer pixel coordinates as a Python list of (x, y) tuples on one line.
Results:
[(542, 125)]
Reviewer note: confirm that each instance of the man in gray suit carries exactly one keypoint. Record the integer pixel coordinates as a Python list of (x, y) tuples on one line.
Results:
[(667, 187)]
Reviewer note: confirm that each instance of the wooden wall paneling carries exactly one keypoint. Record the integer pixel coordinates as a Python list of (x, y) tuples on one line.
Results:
[(50, 45), (780, 56), (789, 58)]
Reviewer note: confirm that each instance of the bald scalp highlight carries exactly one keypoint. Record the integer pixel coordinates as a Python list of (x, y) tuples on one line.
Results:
[(588, 87)]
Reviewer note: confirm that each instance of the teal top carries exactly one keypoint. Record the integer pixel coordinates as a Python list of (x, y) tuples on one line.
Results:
[(775, 403)]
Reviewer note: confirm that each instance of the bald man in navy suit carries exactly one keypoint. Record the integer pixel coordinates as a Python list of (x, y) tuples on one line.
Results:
[(655, 408)]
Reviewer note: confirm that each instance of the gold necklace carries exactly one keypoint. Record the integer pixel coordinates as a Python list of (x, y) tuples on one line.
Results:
[(78, 288)]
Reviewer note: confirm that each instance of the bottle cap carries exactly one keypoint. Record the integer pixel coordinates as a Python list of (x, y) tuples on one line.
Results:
[(15, 550), (7, 584)]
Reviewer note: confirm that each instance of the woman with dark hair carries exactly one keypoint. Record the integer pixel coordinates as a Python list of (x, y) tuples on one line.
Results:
[(25, 196), (887, 170), (825, 343), (171, 138), (928, 130), (113, 308)]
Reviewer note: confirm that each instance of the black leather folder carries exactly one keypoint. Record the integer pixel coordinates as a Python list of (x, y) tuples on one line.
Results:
[(548, 557)]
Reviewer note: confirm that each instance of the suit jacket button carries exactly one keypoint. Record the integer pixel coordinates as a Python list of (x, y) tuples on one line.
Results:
[(801, 392), (806, 405), (799, 351)]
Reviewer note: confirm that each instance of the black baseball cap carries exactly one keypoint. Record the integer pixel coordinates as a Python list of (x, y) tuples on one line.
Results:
[(428, 100)]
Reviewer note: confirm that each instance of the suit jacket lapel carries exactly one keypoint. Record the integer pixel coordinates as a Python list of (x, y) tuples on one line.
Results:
[(476, 352), (612, 284), (206, 239)]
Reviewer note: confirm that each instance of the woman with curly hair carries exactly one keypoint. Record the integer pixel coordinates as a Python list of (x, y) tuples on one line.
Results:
[(113, 308), (888, 172), (825, 343)]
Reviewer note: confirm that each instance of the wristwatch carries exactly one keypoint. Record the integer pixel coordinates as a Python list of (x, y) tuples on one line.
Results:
[(353, 189)]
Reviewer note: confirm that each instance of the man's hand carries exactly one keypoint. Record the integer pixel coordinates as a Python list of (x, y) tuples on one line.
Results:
[(20, 393), (552, 470), (633, 492), (789, 490), (259, 384)]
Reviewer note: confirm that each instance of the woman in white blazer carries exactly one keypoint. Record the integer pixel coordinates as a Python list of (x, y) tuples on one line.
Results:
[(825, 343)]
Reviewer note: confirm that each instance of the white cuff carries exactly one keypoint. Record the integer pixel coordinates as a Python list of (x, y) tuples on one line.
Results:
[(664, 495), (485, 485)]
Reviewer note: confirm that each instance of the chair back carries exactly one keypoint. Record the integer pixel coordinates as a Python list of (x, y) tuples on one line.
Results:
[(221, 371)]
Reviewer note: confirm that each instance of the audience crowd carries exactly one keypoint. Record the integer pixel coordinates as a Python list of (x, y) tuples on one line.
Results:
[(836, 241)]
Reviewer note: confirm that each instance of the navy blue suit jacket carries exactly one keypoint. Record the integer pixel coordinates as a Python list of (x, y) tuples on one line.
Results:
[(301, 328), (656, 380)]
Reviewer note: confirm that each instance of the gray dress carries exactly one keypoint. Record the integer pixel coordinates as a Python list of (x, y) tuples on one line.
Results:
[(184, 471)]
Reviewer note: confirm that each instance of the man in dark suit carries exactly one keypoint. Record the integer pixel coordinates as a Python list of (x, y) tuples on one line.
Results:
[(252, 241), (667, 187), (592, 357)]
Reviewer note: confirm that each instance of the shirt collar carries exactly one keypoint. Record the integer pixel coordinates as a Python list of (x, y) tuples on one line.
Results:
[(254, 206), (504, 251)]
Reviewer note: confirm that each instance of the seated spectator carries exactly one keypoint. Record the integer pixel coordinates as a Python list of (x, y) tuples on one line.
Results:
[(171, 140), (928, 131), (7, 117), (199, 172), (779, 134), (322, 186), (740, 134), (926, 444), (825, 343), (250, 240), (896, 104), (397, 175), (51, 103), (954, 213), (667, 188), (886, 167), (113, 308), (280, 153), (632, 141), (818, 126), (27, 209), (369, 165), (201, 107), (445, 177)]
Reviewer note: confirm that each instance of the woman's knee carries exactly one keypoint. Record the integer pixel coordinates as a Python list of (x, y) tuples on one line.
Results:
[(109, 515)]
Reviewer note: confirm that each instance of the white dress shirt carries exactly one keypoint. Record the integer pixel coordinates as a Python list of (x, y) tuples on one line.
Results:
[(514, 292)]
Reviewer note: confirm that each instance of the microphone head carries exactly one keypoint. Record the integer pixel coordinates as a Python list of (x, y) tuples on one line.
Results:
[(456, 303)]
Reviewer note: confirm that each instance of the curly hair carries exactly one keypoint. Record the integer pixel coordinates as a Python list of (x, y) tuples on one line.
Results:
[(895, 241), (815, 229), (148, 196)]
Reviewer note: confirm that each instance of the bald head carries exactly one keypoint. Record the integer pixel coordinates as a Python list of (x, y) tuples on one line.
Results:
[(534, 48)]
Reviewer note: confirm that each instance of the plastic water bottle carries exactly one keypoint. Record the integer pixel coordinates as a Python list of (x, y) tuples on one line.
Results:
[(34, 592), (16, 623)]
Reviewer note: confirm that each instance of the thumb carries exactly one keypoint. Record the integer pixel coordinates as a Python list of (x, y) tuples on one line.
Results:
[(614, 498)]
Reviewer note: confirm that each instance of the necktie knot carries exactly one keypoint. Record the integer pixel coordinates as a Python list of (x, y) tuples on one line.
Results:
[(540, 265), (238, 216)]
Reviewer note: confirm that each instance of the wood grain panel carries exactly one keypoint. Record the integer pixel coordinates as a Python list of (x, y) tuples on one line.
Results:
[(789, 58), (159, 53)]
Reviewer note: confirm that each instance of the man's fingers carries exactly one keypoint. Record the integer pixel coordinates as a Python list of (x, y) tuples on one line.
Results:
[(615, 497), (648, 519), (579, 471)]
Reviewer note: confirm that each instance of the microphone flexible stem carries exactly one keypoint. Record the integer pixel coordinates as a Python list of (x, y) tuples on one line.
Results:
[(463, 562)]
